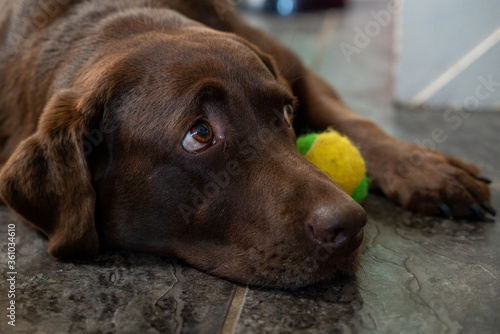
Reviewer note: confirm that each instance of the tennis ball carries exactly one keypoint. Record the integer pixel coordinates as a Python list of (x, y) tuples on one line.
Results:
[(338, 158)]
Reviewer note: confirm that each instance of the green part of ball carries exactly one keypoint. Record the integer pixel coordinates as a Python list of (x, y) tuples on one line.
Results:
[(362, 190), (305, 142)]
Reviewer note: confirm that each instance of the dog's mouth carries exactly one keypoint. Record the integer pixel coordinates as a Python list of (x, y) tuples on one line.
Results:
[(290, 268), (308, 271)]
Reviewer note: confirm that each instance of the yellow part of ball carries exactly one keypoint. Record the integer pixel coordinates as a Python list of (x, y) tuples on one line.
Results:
[(335, 155)]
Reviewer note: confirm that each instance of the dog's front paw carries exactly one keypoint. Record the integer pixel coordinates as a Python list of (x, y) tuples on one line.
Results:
[(431, 183)]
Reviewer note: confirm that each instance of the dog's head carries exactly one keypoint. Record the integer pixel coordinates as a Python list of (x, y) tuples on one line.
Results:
[(184, 146)]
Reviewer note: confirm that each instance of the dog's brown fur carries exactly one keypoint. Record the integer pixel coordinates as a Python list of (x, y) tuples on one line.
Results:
[(97, 96)]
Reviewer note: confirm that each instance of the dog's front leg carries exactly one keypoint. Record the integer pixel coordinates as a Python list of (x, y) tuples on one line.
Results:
[(417, 178)]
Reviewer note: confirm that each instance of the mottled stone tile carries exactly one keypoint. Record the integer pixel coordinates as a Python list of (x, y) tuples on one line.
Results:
[(117, 292), (428, 275), (324, 308)]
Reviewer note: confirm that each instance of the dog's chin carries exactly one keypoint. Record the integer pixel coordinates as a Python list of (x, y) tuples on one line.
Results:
[(289, 276)]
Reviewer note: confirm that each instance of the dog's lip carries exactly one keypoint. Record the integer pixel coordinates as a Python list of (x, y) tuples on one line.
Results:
[(354, 243), (336, 264)]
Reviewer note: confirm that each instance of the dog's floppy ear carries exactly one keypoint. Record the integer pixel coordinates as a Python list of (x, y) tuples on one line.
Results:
[(47, 180), (266, 58)]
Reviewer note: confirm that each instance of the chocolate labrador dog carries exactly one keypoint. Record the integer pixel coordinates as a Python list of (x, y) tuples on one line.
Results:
[(168, 127)]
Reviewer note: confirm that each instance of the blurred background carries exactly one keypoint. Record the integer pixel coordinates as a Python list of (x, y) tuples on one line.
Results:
[(435, 53)]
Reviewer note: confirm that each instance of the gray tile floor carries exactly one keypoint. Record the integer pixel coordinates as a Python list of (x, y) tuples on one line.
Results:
[(418, 275)]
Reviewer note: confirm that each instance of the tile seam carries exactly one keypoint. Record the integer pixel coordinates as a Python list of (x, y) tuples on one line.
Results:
[(235, 309)]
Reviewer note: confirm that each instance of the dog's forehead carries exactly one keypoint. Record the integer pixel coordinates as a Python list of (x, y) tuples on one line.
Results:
[(164, 112), (195, 53), (177, 72), (172, 81)]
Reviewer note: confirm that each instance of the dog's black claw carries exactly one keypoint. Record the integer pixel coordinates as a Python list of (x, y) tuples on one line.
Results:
[(488, 208), (477, 211), (445, 209), (484, 179)]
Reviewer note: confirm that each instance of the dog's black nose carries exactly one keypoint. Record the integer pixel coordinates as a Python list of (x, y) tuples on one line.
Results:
[(337, 226)]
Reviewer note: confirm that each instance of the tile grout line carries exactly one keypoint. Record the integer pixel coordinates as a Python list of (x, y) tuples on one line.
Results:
[(445, 78), (235, 309)]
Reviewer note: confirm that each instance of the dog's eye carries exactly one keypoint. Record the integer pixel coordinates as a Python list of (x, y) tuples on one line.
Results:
[(288, 113), (200, 136)]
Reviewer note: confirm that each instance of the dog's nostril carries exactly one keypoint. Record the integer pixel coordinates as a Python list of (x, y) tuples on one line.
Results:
[(330, 234), (312, 233), (341, 236)]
